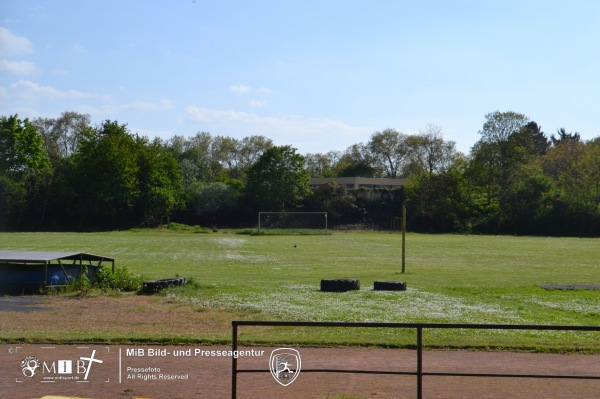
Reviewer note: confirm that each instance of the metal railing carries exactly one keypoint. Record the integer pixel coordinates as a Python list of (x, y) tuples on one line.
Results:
[(419, 327)]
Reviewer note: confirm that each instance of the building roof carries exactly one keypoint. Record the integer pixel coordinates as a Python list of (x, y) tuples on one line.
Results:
[(359, 182), (46, 256)]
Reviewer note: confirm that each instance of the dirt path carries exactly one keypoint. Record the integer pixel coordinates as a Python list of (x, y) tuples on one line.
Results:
[(196, 372), (128, 372)]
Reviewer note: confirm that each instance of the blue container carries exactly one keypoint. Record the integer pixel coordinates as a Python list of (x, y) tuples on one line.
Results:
[(18, 279)]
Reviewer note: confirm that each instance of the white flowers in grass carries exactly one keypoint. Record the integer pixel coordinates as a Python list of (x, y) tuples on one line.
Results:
[(307, 303), (304, 302), (588, 306)]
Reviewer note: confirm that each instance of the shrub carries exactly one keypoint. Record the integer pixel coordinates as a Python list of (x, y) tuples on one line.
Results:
[(119, 280), (187, 228), (80, 286)]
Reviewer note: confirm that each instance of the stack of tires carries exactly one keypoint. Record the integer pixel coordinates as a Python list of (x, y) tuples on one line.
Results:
[(150, 287), (339, 285), (389, 286)]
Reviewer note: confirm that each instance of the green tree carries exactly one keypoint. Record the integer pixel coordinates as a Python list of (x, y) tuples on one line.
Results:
[(62, 135), (118, 179), (195, 158), (105, 177), (159, 180), (357, 160), (237, 155), (213, 204), (564, 136), (591, 161), (574, 167), (61, 138), (527, 209), (321, 165), (21, 148), (503, 168), (499, 126), (250, 149), (25, 173), (494, 154), (439, 202), (391, 149), (429, 153), (278, 180), (531, 139), (334, 199)]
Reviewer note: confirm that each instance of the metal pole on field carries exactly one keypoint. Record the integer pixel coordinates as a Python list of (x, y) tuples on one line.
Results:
[(403, 239)]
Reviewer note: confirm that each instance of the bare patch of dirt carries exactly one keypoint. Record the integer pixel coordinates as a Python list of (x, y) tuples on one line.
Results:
[(118, 316), (21, 303), (125, 373)]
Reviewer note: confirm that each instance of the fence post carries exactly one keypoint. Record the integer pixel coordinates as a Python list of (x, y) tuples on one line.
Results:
[(419, 362), (403, 239), (234, 362)]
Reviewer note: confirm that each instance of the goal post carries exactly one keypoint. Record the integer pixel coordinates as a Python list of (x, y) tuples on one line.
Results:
[(293, 222)]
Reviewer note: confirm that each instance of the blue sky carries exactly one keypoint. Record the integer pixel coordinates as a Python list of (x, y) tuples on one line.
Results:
[(317, 75)]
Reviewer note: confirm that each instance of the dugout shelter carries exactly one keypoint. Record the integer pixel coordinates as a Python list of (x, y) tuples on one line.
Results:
[(28, 272)]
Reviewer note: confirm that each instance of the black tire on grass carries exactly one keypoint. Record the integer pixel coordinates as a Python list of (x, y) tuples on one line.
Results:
[(153, 286), (339, 285), (389, 285)]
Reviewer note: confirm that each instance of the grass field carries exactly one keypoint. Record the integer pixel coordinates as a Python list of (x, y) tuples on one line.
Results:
[(450, 278)]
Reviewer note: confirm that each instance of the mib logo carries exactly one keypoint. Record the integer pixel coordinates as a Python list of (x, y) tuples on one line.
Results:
[(56, 370), (30, 366), (285, 365)]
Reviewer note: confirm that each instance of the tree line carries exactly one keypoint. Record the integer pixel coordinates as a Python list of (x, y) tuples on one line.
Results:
[(66, 174)]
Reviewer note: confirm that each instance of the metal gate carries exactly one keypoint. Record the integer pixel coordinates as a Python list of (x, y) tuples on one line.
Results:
[(419, 327)]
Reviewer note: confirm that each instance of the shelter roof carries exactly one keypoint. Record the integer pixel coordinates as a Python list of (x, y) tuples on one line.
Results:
[(46, 256)]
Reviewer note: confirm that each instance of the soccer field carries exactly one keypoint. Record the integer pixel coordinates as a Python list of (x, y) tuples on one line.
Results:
[(450, 279)]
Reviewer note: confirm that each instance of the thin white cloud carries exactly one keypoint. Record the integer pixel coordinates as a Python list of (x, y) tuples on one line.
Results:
[(257, 103), (23, 112), (23, 68), (27, 90), (112, 110), (214, 115), (61, 72), (240, 89), (11, 44), (287, 122), (145, 106), (265, 90), (78, 49), (307, 134)]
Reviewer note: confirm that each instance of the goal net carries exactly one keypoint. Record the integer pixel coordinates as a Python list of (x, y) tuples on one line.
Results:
[(292, 223)]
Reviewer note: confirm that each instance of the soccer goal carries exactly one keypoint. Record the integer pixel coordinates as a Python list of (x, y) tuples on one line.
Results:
[(292, 222)]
